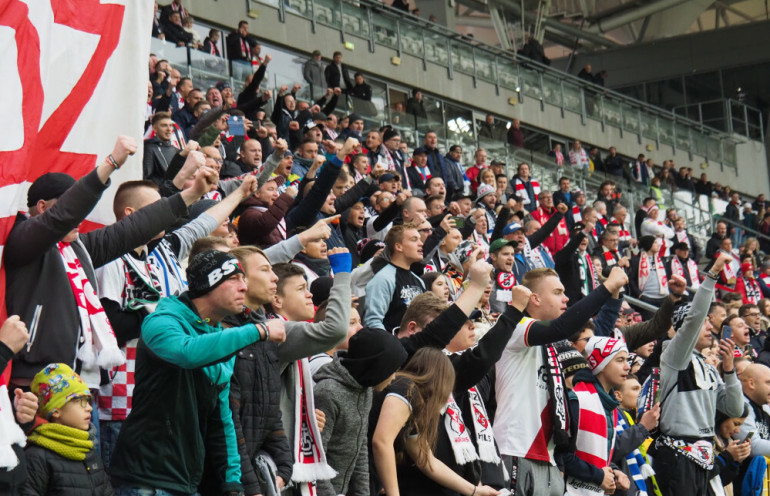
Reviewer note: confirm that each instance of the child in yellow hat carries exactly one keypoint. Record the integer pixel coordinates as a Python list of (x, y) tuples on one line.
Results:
[(60, 453)]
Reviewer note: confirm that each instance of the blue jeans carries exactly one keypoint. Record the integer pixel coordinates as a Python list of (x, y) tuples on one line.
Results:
[(143, 491), (110, 430)]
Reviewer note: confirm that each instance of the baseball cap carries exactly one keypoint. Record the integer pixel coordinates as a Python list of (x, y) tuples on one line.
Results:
[(498, 244)]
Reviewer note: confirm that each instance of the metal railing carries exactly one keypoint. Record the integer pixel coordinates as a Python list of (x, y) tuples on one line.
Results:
[(728, 115), (381, 25)]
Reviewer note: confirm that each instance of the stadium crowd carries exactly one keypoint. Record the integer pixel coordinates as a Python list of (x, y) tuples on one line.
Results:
[(294, 303)]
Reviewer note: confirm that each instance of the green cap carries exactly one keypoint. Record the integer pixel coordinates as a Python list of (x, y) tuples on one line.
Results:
[(500, 242)]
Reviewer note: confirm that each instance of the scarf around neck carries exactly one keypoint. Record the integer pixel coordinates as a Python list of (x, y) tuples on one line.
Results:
[(71, 443), (99, 344)]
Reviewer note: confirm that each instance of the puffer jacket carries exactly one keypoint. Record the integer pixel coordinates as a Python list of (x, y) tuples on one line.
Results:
[(258, 224), (346, 405), (53, 475), (255, 400)]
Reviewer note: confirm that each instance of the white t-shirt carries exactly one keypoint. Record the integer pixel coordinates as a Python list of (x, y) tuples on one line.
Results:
[(523, 422)]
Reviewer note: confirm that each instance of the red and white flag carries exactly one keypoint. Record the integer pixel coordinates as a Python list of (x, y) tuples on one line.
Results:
[(74, 78)]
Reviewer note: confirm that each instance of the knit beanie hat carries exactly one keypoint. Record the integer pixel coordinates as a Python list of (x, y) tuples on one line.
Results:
[(484, 190), (373, 355), (570, 359), (321, 288), (208, 270), (680, 312), (601, 350), (389, 134), (56, 385)]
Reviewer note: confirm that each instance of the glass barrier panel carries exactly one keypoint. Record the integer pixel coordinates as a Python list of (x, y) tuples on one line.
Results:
[(385, 31), (176, 55), (433, 120), (355, 20), (666, 130), (299, 7), (649, 126), (509, 75), (459, 124), (730, 158), (241, 70), (571, 96), (682, 137), (328, 12), (530, 83), (205, 63), (436, 49), (485, 66), (411, 39), (712, 149), (630, 117), (552, 90), (462, 58), (612, 112)]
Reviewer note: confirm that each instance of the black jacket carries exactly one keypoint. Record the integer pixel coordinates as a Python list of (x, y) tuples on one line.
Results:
[(157, 157), (255, 396), (332, 76), (713, 245), (233, 43), (36, 273), (52, 474), (568, 268)]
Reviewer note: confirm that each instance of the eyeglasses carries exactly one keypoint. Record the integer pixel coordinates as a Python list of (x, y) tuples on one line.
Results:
[(84, 401), (753, 314)]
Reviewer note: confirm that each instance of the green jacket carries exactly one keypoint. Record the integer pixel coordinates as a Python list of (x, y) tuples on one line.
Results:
[(181, 411)]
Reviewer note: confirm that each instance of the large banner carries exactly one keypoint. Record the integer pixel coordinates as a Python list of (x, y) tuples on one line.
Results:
[(73, 77)]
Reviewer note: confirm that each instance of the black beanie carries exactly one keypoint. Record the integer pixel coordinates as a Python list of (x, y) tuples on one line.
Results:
[(388, 134), (208, 270), (571, 360), (373, 355), (321, 288), (49, 186)]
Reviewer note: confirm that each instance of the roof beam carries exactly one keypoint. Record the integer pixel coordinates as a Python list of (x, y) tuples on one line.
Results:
[(613, 22)]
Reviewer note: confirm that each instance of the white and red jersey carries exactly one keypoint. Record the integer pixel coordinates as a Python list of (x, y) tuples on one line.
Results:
[(523, 422)]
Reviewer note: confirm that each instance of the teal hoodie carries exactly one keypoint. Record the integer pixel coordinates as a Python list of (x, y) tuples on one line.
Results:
[(181, 407)]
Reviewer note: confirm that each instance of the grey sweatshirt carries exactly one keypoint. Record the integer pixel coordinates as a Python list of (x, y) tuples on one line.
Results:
[(346, 405), (690, 388)]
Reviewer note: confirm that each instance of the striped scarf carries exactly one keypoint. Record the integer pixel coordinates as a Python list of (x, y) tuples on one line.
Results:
[(520, 190), (624, 234), (638, 467), (576, 215)]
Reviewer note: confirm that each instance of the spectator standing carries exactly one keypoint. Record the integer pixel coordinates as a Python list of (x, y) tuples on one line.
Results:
[(575, 267), (557, 155), (525, 187), (159, 150), (613, 164), (336, 74), (515, 135), (361, 93), (210, 44), (733, 215), (578, 158), (715, 241), (489, 130), (640, 172), (239, 45), (684, 456), (392, 289), (415, 106), (648, 280), (529, 372), (545, 211), (474, 171), (313, 72), (183, 366)]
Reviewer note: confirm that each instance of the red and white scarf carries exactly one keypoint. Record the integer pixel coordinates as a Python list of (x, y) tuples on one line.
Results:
[(520, 190), (692, 270), (559, 158), (751, 287), (592, 443), (602, 220), (624, 234), (682, 237), (462, 445), (660, 271), (577, 216), (99, 344), (310, 459), (730, 270), (611, 257)]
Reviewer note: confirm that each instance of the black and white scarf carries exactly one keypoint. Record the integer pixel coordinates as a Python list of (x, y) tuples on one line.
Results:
[(558, 395), (457, 432)]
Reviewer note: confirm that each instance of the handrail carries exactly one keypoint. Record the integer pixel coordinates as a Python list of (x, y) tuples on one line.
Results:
[(731, 222), (640, 304)]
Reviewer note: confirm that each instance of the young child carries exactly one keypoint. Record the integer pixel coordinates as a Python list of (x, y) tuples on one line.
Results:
[(60, 453)]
